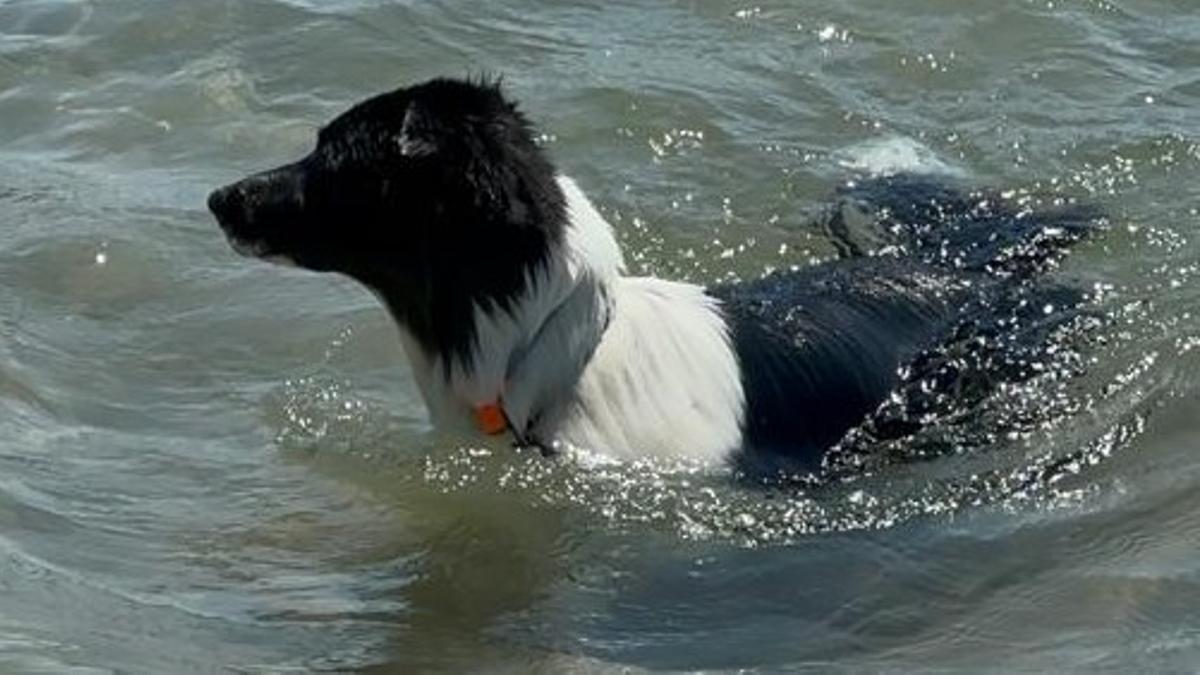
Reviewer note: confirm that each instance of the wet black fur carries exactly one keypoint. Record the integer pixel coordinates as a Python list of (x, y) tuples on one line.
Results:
[(952, 304), (435, 196)]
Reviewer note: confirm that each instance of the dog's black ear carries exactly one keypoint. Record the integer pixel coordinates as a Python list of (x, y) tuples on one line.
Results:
[(417, 133)]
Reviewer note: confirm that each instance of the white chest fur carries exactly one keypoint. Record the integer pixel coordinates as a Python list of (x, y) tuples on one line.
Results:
[(627, 367), (663, 382)]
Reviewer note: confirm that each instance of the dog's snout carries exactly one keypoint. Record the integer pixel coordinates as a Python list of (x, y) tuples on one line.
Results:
[(260, 200), (228, 204)]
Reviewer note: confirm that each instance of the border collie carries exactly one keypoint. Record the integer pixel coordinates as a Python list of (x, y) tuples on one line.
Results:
[(517, 316)]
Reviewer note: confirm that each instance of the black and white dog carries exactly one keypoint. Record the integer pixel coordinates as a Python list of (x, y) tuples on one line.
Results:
[(509, 289)]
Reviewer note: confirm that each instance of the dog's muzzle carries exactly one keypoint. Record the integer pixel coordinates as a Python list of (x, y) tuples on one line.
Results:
[(228, 204), (255, 212)]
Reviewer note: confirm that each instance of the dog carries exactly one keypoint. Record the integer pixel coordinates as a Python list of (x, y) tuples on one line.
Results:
[(518, 319)]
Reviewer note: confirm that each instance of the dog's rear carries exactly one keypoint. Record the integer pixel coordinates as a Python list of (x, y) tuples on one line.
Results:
[(821, 348)]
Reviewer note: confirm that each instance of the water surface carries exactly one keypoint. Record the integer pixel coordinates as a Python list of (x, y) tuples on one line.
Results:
[(211, 464)]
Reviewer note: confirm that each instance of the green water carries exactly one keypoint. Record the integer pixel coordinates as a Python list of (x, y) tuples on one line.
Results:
[(208, 464)]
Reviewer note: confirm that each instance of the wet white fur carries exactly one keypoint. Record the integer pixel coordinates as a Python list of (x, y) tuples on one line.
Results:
[(623, 366)]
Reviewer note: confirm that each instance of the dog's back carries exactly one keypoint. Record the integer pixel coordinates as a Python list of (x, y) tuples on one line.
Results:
[(821, 347)]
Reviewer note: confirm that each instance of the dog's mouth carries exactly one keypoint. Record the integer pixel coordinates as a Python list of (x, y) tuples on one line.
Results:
[(246, 248), (258, 250)]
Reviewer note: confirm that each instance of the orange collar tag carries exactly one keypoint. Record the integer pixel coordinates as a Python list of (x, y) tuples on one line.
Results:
[(490, 419)]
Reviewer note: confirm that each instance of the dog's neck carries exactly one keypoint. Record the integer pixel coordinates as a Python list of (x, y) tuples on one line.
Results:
[(533, 353)]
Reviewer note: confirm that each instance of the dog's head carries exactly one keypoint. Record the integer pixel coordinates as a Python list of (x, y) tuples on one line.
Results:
[(432, 195)]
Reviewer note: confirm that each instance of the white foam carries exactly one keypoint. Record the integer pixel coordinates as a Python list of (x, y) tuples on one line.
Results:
[(894, 154)]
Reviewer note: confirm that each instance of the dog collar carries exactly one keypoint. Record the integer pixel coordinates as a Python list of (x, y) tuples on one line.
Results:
[(490, 418)]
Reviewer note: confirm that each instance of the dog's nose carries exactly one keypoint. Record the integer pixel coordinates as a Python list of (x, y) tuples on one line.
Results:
[(228, 204)]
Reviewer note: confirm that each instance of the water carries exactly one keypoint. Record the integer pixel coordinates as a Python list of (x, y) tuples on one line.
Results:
[(211, 464)]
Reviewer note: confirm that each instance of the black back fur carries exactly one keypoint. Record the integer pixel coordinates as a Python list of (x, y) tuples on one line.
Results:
[(953, 305)]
